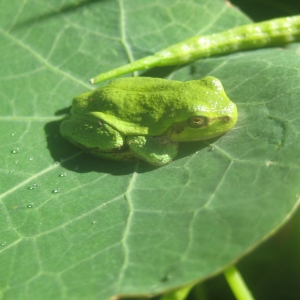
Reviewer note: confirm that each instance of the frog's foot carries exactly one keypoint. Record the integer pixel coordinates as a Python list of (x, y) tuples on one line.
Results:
[(157, 151)]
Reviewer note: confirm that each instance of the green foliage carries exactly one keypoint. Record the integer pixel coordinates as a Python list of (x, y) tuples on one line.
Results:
[(77, 227)]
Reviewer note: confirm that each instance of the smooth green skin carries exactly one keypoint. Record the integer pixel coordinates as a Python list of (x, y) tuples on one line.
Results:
[(145, 118)]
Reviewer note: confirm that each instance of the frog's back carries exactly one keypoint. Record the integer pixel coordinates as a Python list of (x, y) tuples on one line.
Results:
[(141, 105), (143, 84)]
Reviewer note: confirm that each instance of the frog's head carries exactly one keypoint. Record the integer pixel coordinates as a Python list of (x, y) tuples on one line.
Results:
[(202, 126), (210, 113)]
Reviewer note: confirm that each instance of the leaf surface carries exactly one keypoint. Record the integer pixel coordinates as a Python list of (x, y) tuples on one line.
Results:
[(78, 227)]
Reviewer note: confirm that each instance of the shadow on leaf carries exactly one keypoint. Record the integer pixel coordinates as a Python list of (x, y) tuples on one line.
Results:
[(76, 160)]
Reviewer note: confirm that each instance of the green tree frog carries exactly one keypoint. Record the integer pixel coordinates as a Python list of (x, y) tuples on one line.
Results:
[(146, 118)]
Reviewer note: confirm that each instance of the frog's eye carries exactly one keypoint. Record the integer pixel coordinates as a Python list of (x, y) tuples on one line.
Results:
[(197, 121)]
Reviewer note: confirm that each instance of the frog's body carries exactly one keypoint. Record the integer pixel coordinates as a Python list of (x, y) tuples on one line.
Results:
[(147, 117)]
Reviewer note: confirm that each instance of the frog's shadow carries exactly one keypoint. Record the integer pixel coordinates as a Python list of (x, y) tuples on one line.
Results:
[(74, 159)]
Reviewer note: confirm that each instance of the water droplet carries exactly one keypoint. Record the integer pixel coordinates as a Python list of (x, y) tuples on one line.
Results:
[(13, 134), (16, 161), (56, 191), (3, 244), (56, 163), (33, 186), (14, 151), (11, 171), (94, 222), (31, 158), (30, 205), (269, 163), (166, 278), (63, 174)]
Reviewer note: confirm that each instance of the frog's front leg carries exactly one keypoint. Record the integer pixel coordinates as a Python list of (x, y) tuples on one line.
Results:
[(157, 151)]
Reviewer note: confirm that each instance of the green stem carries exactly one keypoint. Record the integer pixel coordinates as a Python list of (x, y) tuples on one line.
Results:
[(179, 294), (237, 284), (256, 35), (147, 62)]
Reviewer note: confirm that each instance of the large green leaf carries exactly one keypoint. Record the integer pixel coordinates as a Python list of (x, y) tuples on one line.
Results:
[(78, 227)]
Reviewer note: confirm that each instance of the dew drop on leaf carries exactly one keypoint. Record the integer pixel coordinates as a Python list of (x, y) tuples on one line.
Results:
[(15, 151), (33, 186)]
